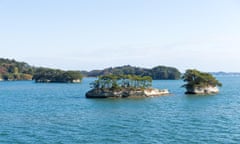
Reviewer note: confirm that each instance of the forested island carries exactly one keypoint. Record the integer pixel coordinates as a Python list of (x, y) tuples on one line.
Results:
[(200, 82), (46, 75), (11, 69), (123, 78), (156, 73), (121, 86), (14, 70)]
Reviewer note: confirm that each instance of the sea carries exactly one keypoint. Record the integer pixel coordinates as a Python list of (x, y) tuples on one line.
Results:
[(56, 113)]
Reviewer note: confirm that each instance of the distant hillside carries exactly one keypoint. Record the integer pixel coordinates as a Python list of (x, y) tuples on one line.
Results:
[(14, 70), (226, 73), (157, 73)]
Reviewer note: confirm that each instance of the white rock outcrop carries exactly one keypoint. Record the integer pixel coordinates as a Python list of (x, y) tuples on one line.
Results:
[(108, 93), (76, 81), (155, 92), (203, 90)]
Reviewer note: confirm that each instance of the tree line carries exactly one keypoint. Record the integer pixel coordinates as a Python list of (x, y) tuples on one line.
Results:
[(14, 70), (122, 81), (56, 75), (157, 73)]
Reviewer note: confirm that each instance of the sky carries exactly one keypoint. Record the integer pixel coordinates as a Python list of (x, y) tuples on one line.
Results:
[(95, 34)]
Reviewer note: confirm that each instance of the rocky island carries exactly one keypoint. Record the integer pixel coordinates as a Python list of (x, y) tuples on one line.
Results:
[(122, 86), (200, 83)]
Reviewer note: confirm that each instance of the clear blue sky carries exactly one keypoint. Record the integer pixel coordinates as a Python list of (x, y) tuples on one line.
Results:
[(93, 34)]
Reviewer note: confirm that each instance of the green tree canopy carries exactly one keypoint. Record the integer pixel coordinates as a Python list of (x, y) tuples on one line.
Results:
[(55, 75), (14, 70), (122, 81), (195, 78), (159, 72)]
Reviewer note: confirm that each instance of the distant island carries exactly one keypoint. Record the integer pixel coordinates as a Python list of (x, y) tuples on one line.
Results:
[(122, 81), (225, 73), (122, 86), (200, 82), (196, 81), (13, 70), (46, 75), (156, 73)]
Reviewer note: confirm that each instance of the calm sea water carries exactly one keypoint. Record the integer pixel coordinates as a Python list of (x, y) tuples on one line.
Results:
[(60, 113)]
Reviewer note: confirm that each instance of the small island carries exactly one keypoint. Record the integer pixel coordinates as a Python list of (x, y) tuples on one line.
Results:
[(122, 86), (200, 83), (46, 75)]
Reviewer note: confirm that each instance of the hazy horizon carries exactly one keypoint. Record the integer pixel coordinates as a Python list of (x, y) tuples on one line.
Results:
[(88, 35)]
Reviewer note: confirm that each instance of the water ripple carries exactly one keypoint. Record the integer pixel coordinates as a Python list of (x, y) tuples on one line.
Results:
[(59, 113)]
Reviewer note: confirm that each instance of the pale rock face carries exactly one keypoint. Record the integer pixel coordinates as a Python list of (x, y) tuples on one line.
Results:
[(155, 92), (149, 92), (76, 81), (203, 90)]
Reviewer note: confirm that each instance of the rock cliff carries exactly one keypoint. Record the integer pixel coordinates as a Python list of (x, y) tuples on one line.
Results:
[(123, 93), (203, 90)]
